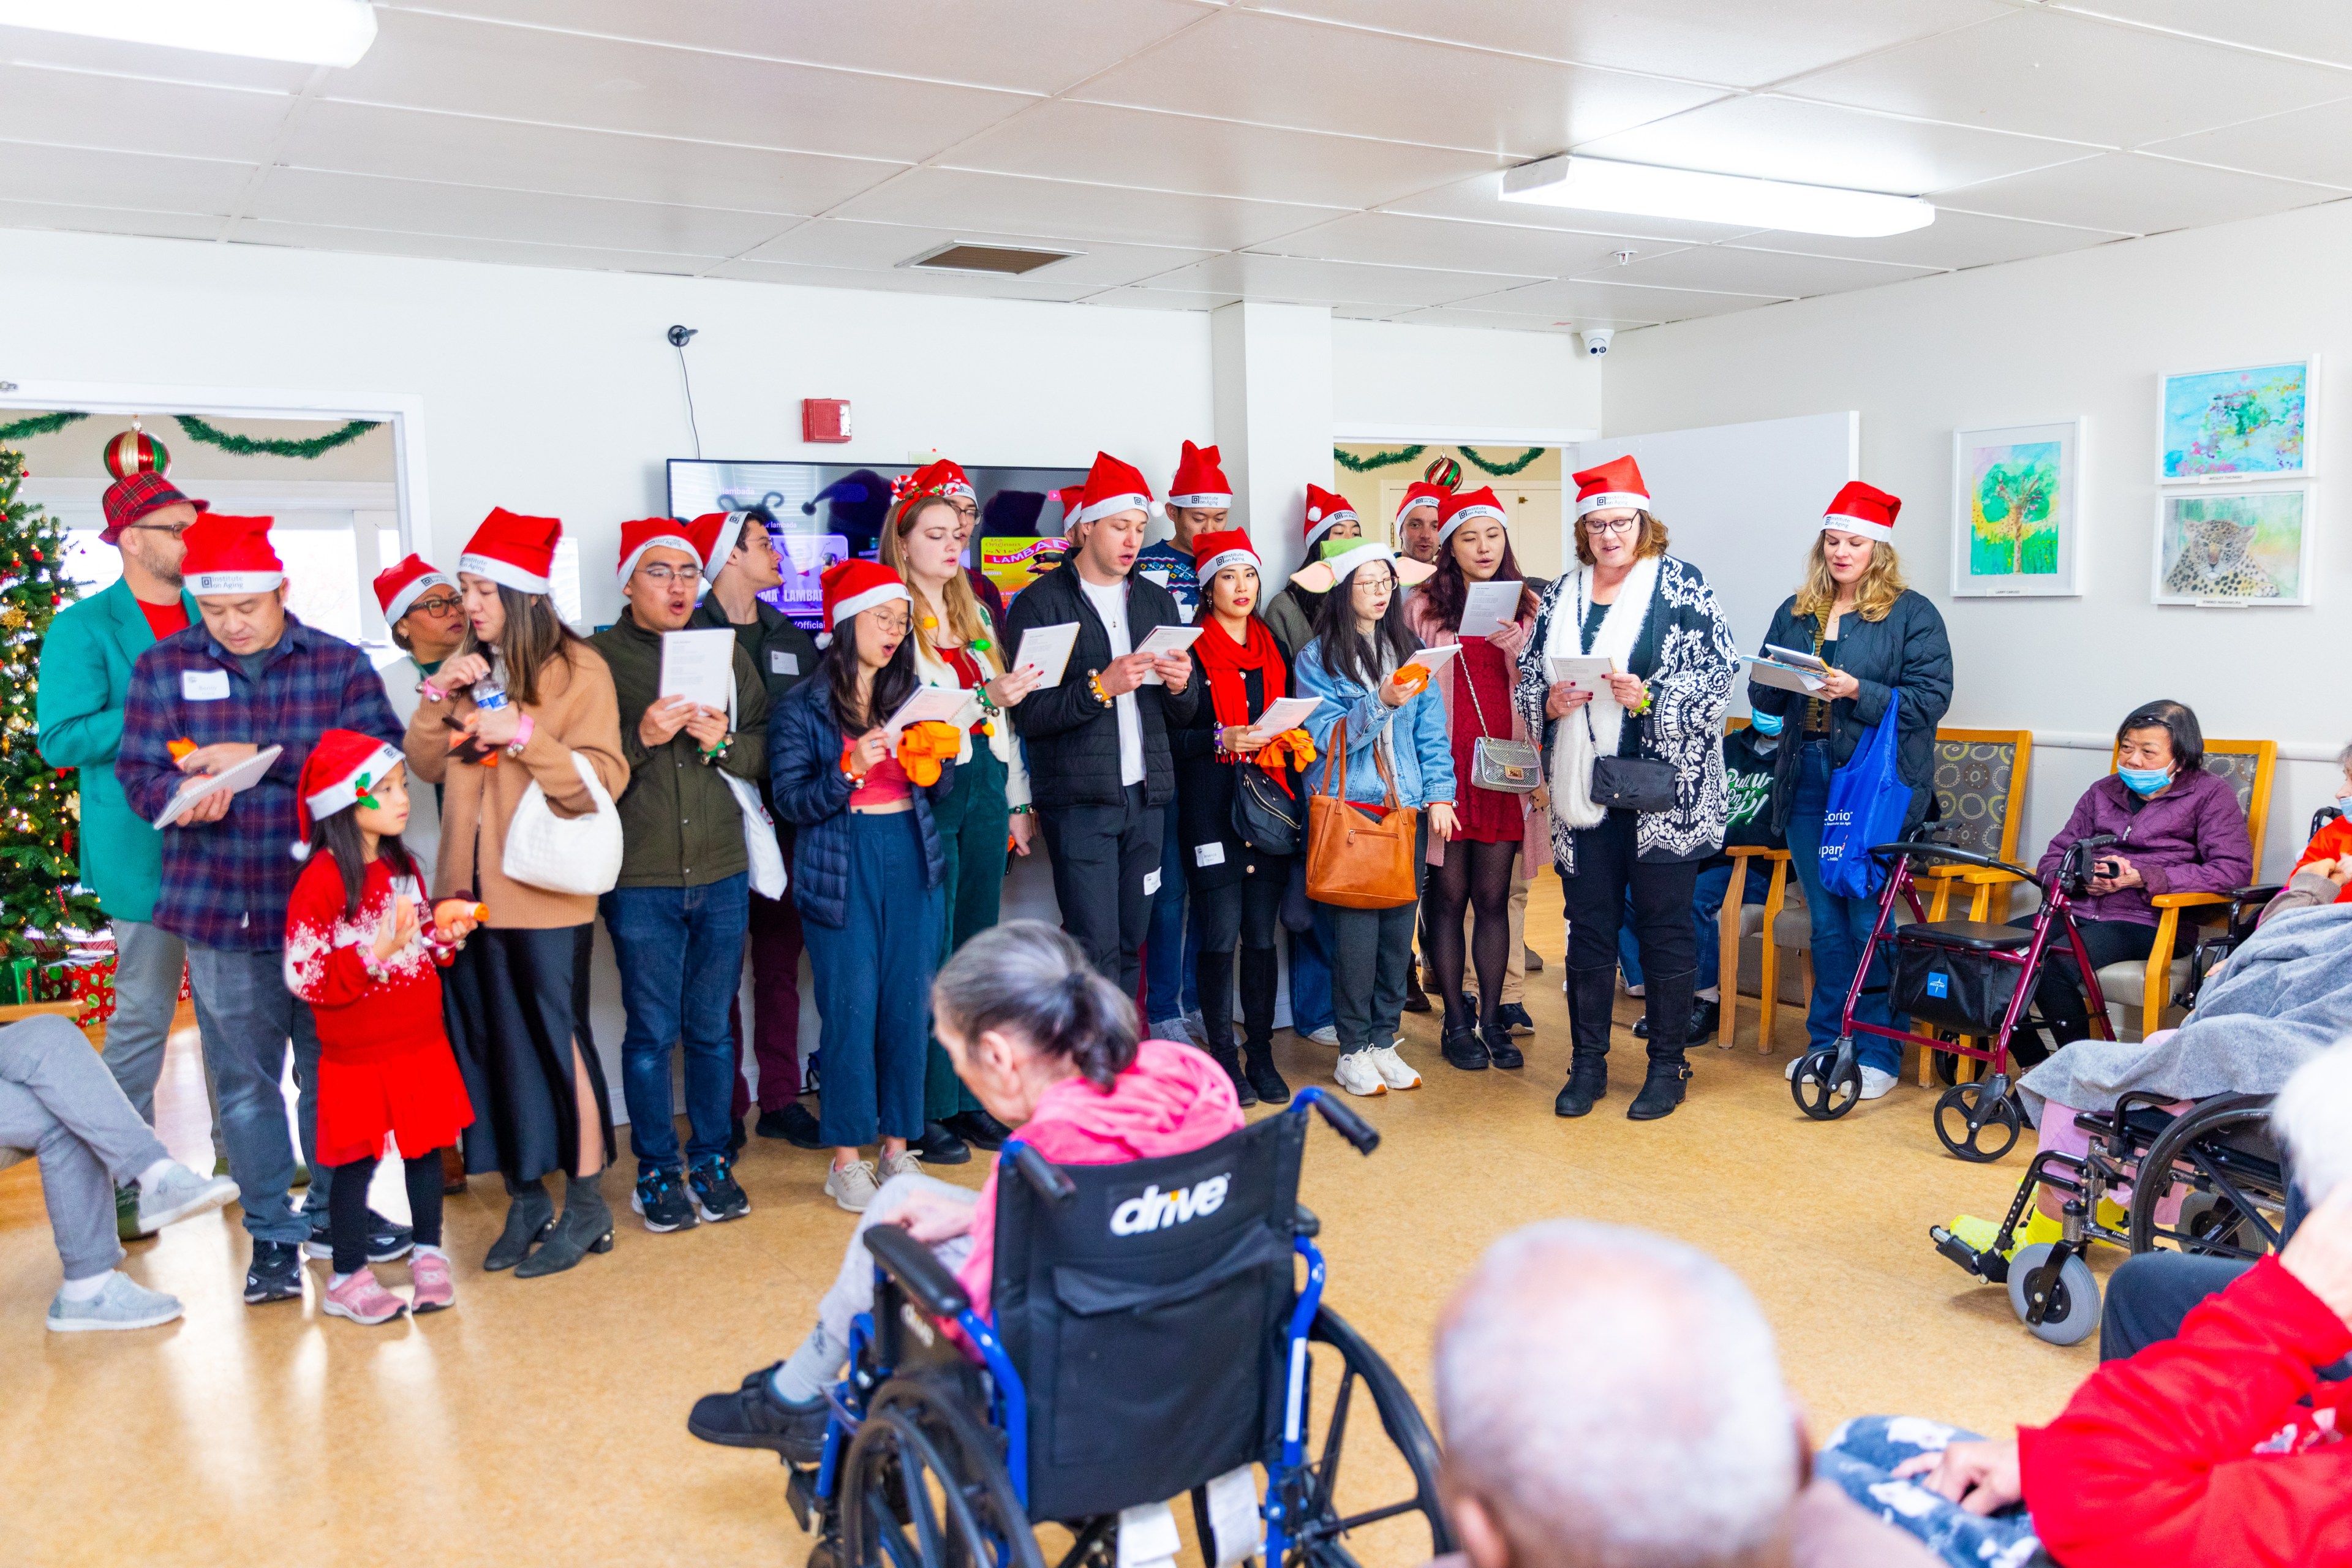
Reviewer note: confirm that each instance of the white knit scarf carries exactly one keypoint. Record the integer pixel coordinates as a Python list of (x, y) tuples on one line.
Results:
[(1574, 744)]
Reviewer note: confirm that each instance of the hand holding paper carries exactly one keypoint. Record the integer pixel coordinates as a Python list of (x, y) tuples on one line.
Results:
[(1047, 651), (197, 798), (699, 665)]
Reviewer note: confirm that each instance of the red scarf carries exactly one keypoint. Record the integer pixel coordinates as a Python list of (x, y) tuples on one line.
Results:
[(1227, 662)]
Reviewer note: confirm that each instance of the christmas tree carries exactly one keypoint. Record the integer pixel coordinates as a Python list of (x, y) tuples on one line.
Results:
[(40, 806)]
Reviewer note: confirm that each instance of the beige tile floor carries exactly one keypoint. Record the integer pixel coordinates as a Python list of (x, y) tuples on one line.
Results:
[(543, 1421)]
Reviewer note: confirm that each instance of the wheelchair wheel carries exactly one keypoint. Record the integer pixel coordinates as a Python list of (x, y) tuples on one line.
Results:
[(924, 1487), (2220, 1160), (2073, 1302), (1815, 1095), (1348, 1488), (1978, 1126)]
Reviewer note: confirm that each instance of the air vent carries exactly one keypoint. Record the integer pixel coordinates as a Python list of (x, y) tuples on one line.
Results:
[(1002, 260)]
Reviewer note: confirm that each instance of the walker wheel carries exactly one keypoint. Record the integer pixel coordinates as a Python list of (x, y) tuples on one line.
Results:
[(1977, 1125), (2072, 1311), (1815, 1094)]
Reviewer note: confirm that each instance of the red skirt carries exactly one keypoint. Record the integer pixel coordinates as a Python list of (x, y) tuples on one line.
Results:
[(415, 1097)]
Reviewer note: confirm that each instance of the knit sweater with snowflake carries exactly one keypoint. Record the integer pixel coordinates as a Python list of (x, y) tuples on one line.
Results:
[(365, 1011)]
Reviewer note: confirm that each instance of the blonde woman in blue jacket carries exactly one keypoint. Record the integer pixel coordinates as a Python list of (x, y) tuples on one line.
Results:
[(1361, 638)]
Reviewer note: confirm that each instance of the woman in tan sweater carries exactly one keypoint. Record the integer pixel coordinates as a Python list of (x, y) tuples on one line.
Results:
[(510, 710)]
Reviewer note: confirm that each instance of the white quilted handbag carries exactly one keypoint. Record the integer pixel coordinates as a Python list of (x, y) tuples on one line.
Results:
[(565, 854)]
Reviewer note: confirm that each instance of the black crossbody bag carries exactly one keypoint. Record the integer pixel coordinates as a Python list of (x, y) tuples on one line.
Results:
[(1630, 784)]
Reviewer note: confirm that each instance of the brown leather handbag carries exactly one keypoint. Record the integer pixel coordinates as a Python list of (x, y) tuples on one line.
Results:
[(1353, 861)]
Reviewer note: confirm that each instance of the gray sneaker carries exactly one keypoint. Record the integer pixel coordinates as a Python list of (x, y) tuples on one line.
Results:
[(123, 1304), (853, 1186), (907, 1164), (179, 1193)]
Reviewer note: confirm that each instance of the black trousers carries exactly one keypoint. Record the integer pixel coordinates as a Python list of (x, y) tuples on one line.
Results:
[(1607, 868), (2059, 992), (347, 1210), (1247, 912), (1103, 856), (1371, 952)]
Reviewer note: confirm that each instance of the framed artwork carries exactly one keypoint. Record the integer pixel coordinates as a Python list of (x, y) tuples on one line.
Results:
[(2256, 422), (2016, 505), (2235, 547)]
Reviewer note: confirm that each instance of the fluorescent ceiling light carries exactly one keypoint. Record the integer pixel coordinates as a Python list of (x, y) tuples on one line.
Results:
[(1600, 185), (310, 32)]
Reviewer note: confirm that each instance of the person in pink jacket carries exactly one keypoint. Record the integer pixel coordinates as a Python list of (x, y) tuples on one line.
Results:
[(1049, 1047)]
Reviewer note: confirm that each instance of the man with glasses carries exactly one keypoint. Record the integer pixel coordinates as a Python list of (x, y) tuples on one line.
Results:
[(86, 662), (427, 619)]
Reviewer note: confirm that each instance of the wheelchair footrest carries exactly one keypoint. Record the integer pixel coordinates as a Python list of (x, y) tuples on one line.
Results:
[(800, 1490), (1989, 1266)]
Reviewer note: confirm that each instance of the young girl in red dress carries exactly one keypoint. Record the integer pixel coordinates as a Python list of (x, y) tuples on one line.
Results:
[(363, 951)]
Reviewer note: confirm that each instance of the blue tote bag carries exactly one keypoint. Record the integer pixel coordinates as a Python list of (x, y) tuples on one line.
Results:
[(1868, 804)]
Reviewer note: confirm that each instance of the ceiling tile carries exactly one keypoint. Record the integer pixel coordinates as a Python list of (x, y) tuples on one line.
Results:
[(1480, 200), (2136, 192), (422, 61), (1162, 299), (107, 220), (2301, 144), (899, 282), (1508, 321), (1734, 270), (32, 46), (138, 181), (458, 247), (1735, 42), (1210, 157), (1613, 301), (420, 207), (835, 242), (1029, 46), (1394, 240), (2047, 73), (1243, 65), (1818, 144), (2311, 29), (1026, 205), (82, 109), (1955, 240), (1327, 283)]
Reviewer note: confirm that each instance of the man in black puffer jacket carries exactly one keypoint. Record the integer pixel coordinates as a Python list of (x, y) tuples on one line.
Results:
[(1100, 768)]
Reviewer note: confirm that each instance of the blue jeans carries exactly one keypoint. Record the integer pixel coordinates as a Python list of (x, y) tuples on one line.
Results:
[(1841, 926), (874, 978), (1861, 1457), (1310, 979), (1171, 983), (246, 1019), (1706, 905), (680, 953)]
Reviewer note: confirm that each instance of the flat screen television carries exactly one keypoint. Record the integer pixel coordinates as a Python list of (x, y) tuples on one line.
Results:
[(826, 513)]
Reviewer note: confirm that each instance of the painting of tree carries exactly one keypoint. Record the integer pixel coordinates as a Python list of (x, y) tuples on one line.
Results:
[(2013, 503)]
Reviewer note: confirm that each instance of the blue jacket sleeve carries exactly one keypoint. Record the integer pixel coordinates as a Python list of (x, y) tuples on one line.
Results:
[(1362, 711), (806, 785), (1433, 747)]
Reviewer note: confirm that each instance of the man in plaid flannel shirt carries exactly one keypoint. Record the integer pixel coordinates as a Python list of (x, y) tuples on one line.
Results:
[(248, 676)]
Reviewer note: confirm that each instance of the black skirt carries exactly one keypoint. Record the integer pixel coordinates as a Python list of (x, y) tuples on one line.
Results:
[(514, 1002)]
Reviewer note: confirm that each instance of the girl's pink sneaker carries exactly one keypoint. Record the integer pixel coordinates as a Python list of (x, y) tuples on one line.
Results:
[(429, 1271), (363, 1300)]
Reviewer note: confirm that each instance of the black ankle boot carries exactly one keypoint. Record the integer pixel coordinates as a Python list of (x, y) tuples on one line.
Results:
[(1660, 1091), (586, 1227), (1588, 1081), (531, 1214), (1225, 1056), (1261, 977), (1501, 1049), (1271, 1088)]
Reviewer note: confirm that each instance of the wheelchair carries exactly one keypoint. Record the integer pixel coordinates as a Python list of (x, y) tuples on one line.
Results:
[(1963, 979), (2243, 913), (1153, 1336), (2217, 1161)]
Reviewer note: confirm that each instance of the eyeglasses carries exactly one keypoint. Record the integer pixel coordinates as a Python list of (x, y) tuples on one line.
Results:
[(1623, 525), (437, 607), (659, 572), (174, 529)]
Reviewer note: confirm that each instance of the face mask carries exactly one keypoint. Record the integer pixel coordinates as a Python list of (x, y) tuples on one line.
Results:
[(2144, 781), (1770, 723), (2344, 803)]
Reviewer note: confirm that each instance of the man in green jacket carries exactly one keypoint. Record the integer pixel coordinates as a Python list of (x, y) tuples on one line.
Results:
[(86, 663)]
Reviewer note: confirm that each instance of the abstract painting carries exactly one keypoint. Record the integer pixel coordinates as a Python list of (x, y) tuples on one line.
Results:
[(2254, 421), (2236, 547), (2015, 501)]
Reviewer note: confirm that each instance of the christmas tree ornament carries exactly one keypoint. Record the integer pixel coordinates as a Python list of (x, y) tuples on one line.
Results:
[(1444, 473), (136, 452)]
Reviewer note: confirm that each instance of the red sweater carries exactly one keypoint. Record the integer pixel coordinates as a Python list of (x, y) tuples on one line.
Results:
[(2331, 842), (360, 1016), (2199, 1451)]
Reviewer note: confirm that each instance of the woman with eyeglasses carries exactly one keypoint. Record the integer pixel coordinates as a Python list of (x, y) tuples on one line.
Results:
[(427, 619)]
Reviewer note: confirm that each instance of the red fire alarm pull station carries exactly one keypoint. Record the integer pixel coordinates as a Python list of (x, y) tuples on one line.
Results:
[(825, 419)]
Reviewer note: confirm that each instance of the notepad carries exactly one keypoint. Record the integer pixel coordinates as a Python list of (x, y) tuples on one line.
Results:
[(1792, 659), (1431, 660), (1788, 678), (946, 704), (1165, 640), (242, 776), (1487, 605), (1285, 713), (1586, 672), (699, 665), (1047, 651)]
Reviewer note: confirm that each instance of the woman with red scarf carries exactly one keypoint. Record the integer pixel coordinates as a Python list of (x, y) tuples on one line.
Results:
[(1236, 887)]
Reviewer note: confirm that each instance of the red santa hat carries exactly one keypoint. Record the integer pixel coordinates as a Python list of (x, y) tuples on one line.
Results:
[(850, 586), (513, 550), (1111, 487), (1457, 510), (1864, 509), (1421, 492), (230, 555), (1199, 482), (645, 532), (397, 587), (1615, 483), (943, 478), (1325, 507), (1213, 553), (714, 535), (341, 770)]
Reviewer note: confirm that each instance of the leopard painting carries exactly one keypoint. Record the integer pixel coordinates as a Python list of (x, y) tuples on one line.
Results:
[(2215, 562)]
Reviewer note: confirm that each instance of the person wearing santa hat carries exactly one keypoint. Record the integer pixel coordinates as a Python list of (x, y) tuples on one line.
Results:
[(427, 621), (1886, 644), (524, 701), (1290, 614), (1648, 731), (679, 915), (870, 874), (202, 701), (1099, 757), (1418, 523)]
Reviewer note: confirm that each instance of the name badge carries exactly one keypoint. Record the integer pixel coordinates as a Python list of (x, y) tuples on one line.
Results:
[(1211, 854), (1150, 882), (783, 663), (203, 684)]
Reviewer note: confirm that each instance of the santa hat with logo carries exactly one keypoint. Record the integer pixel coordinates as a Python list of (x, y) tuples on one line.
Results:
[(645, 532), (513, 550), (850, 586), (1864, 509), (397, 587), (1199, 482), (1421, 492), (1111, 487), (341, 770), (714, 535), (1213, 553), (1457, 510), (1323, 508), (1615, 483), (230, 555)]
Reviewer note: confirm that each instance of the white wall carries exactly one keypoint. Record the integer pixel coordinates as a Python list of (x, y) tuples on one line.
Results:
[(1444, 383), (2083, 333)]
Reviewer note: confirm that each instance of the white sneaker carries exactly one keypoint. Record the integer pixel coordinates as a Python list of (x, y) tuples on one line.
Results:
[(178, 1193), (1394, 1069), (1876, 1083), (1359, 1074), (853, 1186), (1169, 1029), (1197, 1026), (124, 1303), (907, 1164), (1328, 1035)]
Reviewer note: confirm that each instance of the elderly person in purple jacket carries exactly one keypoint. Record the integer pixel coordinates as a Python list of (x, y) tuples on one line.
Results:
[(2178, 829)]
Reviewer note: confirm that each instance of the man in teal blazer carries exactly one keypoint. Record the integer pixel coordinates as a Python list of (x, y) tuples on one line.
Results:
[(86, 663)]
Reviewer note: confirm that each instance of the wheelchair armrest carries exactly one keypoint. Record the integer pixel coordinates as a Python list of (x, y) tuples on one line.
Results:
[(2261, 893), (1303, 1222), (918, 1271), (1343, 1121), (1050, 1182)]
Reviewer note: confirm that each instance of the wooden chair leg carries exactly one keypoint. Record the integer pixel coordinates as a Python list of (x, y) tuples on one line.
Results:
[(1776, 893), (2156, 988), (1727, 954)]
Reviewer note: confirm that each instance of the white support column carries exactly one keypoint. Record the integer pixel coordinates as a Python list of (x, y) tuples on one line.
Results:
[(1273, 387)]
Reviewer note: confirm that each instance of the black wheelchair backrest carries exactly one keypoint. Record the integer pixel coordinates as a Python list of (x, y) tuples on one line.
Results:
[(1146, 1315)]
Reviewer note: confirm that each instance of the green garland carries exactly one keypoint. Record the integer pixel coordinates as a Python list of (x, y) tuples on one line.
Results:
[(247, 446), (1378, 459), (39, 425), (1502, 471)]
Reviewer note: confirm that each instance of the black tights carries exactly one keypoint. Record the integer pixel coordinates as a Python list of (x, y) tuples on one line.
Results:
[(1478, 877), (347, 1210)]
